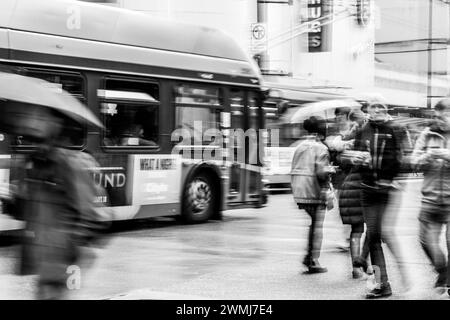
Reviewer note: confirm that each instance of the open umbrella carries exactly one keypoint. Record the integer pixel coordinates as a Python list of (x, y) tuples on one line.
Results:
[(299, 114), (370, 97), (36, 92)]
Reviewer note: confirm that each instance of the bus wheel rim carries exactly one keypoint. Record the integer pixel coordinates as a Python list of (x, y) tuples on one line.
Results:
[(200, 196)]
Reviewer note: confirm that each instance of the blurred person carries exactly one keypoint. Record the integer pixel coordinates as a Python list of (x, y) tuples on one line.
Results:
[(134, 136), (54, 196), (379, 162), (431, 155), (310, 180), (337, 142), (358, 120), (347, 183)]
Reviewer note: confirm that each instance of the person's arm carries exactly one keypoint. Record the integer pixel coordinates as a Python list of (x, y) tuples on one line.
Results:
[(420, 159), (322, 164)]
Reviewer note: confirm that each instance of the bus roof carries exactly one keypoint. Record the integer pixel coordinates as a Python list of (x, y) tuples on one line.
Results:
[(94, 22)]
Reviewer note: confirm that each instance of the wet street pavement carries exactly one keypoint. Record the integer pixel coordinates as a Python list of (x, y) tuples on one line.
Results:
[(250, 254)]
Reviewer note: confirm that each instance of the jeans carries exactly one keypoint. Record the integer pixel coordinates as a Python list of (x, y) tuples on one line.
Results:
[(374, 204), (317, 214), (429, 235)]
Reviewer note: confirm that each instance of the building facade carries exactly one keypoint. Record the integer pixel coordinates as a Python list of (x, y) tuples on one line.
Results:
[(398, 48)]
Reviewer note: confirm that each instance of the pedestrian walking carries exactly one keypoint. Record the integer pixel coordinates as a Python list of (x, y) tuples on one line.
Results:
[(379, 161), (347, 181), (310, 180), (351, 213), (55, 197), (431, 155)]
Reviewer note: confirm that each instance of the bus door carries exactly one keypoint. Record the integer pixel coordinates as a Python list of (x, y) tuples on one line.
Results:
[(253, 160), (5, 164), (243, 157)]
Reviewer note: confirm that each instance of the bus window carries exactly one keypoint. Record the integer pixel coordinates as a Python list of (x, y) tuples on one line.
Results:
[(74, 84), (197, 109), (130, 113)]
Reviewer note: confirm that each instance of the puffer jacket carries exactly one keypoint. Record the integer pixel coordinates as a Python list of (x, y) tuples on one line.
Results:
[(436, 182), (308, 174), (350, 207)]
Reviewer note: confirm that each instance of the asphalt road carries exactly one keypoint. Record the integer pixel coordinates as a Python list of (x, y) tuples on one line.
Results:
[(250, 254)]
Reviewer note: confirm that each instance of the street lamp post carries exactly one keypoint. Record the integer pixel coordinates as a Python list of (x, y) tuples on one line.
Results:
[(430, 47)]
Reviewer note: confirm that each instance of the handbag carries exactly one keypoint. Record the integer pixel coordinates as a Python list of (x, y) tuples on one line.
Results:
[(329, 196)]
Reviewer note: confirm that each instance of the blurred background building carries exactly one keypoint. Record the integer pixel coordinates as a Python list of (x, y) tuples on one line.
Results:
[(399, 48)]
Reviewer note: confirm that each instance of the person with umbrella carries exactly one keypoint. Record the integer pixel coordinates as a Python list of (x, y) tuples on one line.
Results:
[(54, 192)]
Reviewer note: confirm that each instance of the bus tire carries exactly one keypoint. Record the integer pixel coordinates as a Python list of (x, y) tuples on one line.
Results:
[(199, 199)]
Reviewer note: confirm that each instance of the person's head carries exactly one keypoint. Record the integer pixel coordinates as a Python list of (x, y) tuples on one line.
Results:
[(315, 125), (342, 112), (442, 114), (36, 123), (364, 106), (357, 116), (378, 112)]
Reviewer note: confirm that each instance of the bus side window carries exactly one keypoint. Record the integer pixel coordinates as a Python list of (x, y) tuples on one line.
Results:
[(197, 109), (74, 84), (130, 113)]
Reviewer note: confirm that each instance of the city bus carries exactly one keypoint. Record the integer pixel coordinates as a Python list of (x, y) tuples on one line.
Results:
[(158, 87)]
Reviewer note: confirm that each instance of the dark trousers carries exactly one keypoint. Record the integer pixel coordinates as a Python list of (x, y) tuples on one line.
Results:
[(429, 235), (317, 214), (374, 204)]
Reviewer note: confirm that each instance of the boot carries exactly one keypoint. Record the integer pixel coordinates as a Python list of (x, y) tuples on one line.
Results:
[(355, 247)]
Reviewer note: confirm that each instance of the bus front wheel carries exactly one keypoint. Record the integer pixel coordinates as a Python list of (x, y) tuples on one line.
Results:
[(199, 199)]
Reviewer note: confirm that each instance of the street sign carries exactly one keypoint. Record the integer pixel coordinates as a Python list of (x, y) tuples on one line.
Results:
[(259, 37)]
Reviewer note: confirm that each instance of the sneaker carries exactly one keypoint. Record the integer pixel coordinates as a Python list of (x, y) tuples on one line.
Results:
[(383, 290), (315, 267)]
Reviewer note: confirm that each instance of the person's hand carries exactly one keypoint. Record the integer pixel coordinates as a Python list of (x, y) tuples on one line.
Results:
[(330, 169), (361, 158), (349, 144)]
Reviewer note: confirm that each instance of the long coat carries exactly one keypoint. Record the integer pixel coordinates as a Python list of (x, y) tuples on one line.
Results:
[(55, 196), (350, 207)]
